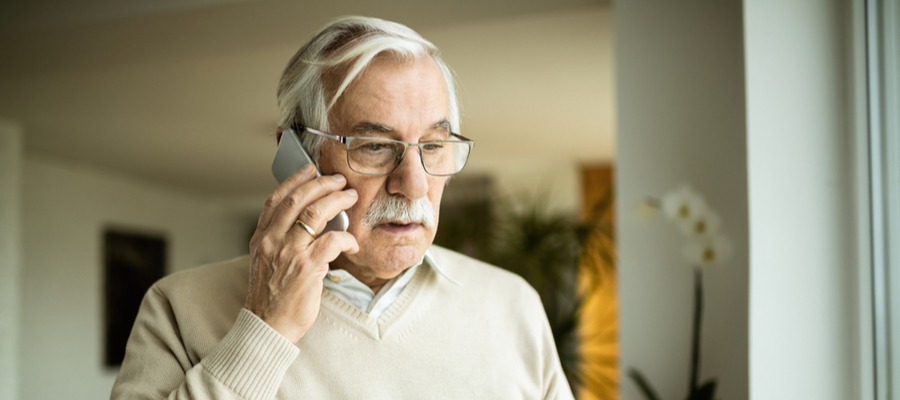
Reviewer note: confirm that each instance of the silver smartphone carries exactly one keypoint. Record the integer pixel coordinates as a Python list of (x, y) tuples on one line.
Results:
[(289, 158)]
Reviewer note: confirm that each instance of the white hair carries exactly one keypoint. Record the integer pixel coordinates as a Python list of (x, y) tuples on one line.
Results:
[(346, 46)]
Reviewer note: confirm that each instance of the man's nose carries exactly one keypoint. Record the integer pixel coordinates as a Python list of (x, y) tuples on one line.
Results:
[(409, 178)]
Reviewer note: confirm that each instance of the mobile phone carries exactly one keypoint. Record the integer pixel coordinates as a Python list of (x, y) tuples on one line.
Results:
[(289, 158)]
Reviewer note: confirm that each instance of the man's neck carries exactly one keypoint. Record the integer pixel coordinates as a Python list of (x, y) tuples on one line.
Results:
[(361, 273)]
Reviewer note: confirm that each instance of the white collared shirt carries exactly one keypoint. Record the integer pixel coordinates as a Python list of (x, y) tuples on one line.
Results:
[(354, 292)]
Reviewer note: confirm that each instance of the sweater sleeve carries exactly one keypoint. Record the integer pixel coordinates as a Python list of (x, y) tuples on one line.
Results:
[(555, 385), (248, 363)]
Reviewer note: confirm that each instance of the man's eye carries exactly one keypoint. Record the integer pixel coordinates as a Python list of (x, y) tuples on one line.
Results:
[(374, 147), (433, 146)]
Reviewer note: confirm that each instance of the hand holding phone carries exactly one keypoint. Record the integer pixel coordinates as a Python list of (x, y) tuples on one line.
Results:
[(287, 265), (289, 158)]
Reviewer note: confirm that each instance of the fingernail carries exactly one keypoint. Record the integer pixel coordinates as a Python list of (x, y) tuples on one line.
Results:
[(351, 191), (307, 168), (338, 177)]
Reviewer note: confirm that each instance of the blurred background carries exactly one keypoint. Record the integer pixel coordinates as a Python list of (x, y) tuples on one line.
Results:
[(147, 131), (137, 136)]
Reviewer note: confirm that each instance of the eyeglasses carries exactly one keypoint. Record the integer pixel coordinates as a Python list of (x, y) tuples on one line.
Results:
[(380, 156)]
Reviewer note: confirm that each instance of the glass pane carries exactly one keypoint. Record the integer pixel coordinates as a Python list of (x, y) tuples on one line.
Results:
[(890, 43), (883, 20)]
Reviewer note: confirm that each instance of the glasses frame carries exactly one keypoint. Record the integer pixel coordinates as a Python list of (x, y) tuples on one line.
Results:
[(345, 140)]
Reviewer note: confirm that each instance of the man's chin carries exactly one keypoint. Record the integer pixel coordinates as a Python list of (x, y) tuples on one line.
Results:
[(388, 249), (390, 261)]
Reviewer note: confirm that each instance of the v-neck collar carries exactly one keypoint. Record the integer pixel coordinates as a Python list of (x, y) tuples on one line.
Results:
[(372, 327)]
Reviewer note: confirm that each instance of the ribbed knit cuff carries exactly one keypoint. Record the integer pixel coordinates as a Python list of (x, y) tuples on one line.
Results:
[(252, 358)]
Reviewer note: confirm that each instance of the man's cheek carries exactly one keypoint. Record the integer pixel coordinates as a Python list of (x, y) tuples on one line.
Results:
[(358, 211)]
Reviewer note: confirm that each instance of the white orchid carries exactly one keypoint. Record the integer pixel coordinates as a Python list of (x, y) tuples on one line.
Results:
[(708, 251), (683, 206), (705, 247), (698, 222), (704, 224)]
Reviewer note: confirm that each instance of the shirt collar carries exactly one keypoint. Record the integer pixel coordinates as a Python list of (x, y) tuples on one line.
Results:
[(430, 260)]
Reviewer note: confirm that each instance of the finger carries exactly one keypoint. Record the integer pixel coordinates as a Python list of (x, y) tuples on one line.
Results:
[(288, 210), (302, 176), (331, 244), (317, 214)]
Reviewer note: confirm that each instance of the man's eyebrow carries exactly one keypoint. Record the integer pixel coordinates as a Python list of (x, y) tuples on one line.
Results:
[(370, 127), (442, 124)]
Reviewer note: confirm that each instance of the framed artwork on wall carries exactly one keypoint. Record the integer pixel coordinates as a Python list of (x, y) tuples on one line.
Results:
[(132, 263)]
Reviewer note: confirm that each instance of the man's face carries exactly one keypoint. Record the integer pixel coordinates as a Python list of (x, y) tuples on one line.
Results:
[(404, 101)]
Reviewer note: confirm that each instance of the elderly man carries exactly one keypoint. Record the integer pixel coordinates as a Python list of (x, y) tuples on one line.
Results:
[(373, 312)]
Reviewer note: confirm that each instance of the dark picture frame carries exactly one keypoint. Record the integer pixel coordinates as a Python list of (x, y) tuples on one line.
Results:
[(132, 262)]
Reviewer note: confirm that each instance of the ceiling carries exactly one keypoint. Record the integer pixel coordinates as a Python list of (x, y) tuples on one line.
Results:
[(183, 92)]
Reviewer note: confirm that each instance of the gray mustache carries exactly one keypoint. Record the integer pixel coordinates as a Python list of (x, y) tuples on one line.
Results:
[(398, 208)]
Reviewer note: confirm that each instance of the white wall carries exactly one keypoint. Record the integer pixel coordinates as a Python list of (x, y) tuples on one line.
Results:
[(680, 84), (10, 258), (802, 236), (539, 86), (65, 209)]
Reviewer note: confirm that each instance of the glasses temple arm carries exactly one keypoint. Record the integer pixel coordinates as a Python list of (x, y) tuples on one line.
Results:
[(462, 137), (300, 128)]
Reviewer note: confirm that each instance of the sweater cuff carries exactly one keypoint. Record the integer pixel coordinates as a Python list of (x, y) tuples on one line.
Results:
[(252, 358)]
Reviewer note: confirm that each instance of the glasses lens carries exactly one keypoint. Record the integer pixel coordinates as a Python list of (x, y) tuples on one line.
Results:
[(444, 158), (374, 156)]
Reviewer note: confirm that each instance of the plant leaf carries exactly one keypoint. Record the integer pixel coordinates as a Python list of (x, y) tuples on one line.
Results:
[(706, 391), (643, 384)]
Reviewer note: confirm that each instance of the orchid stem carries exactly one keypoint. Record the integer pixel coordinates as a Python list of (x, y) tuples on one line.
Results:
[(698, 315)]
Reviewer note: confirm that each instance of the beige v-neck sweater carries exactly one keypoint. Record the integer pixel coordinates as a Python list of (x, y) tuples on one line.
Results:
[(487, 338)]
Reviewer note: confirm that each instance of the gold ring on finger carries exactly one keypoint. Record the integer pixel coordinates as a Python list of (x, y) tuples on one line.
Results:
[(308, 228)]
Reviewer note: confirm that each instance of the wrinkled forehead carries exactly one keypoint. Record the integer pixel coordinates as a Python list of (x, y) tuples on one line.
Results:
[(394, 95)]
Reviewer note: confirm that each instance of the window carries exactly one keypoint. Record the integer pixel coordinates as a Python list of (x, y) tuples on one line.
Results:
[(883, 75)]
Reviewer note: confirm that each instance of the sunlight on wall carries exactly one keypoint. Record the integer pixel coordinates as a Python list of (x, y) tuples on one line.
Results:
[(599, 321)]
